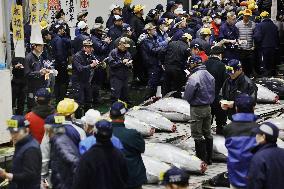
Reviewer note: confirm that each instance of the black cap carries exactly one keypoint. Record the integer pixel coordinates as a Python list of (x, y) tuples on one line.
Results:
[(175, 176), (45, 32), (245, 103), (59, 14), (104, 130), (160, 8), (118, 109), (217, 50)]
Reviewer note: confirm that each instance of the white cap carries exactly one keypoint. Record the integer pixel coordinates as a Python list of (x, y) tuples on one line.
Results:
[(117, 17), (91, 117), (113, 6), (82, 25), (179, 11), (36, 37)]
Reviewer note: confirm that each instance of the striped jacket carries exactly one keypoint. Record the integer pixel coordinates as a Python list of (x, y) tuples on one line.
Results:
[(246, 33)]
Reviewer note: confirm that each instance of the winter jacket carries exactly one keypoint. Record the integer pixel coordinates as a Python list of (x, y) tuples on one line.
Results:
[(239, 140), (169, 15), (266, 167), (117, 68), (137, 24), (64, 158), (200, 87), (150, 50), (90, 141), (228, 32), (204, 44), (74, 132), (134, 146), (109, 22), (218, 70), (36, 118), (266, 34), (176, 34), (101, 48), (81, 67), (114, 33), (18, 73), (132, 49), (59, 50), (32, 67), (26, 165), (77, 44), (176, 54), (102, 167)]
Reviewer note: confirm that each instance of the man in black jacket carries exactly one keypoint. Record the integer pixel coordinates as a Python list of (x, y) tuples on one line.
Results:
[(137, 22), (175, 63), (235, 85), (115, 31), (217, 69), (26, 164), (18, 86), (134, 146), (103, 166)]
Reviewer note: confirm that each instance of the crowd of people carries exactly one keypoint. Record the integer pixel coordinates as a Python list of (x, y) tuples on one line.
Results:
[(207, 56)]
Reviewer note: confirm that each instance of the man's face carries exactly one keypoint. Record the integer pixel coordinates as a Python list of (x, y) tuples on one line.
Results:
[(231, 20), (118, 22), (183, 24), (260, 138), (117, 12), (88, 49), (38, 48), (122, 47), (246, 18), (47, 37), (84, 18), (61, 31), (194, 51), (17, 136), (236, 74), (62, 17)]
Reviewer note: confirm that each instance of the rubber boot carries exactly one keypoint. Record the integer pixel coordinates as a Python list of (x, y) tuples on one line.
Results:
[(200, 149), (209, 150)]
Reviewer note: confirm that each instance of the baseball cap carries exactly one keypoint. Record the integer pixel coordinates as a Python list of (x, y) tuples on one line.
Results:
[(170, 4), (91, 116), (138, 8), (160, 8), (162, 21), (54, 120), (175, 176), (195, 60), (149, 26), (205, 31), (82, 25), (217, 50), (117, 18), (87, 42), (269, 129), (81, 14), (264, 14), (247, 12), (152, 13), (58, 27), (43, 93), (17, 122), (245, 103), (104, 130), (196, 45), (233, 65), (113, 6), (126, 27), (125, 41), (59, 14), (118, 109), (45, 32)]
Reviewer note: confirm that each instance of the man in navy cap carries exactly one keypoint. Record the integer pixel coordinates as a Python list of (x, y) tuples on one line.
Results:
[(103, 166), (176, 178), (240, 139), (266, 167), (38, 114), (26, 164), (200, 94), (115, 31), (171, 6), (134, 146), (234, 85)]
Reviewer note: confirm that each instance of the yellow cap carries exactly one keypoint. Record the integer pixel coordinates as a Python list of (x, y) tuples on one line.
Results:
[(252, 6), (67, 107), (264, 14), (43, 24), (205, 31), (127, 2), (241, 13), (247, 12), (138, 8), (187, 36)]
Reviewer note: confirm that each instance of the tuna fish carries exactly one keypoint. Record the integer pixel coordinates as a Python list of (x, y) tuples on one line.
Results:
[(153, 119), (154, 168), (264, 95), (174, 156), (140, 126), (274, 84), (174, 109)]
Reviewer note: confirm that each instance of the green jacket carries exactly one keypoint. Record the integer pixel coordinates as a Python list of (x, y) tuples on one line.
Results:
[(134, 146)]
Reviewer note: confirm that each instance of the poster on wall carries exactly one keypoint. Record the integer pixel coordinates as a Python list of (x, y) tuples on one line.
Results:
[(43, 10), (18, 30), (34, 9)]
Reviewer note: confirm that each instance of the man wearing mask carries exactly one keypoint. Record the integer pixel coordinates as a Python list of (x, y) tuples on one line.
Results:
[(200, 93), (82, 16), (229, 34), (115, 31), (83, 63), (134, 146), (176, 56), (120, 61), (266, 166), (60, 20), (34, 72), (60, 54), (114, 10), (137, 22), (217, 69), (234, 85), (78, 41), (150, 50), (246, 43), (26, 164)]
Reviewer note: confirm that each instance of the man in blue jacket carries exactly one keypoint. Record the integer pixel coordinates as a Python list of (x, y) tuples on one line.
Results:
[(133, 144), (240, 139), (266, 38), (266, 167), (200, 94)]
